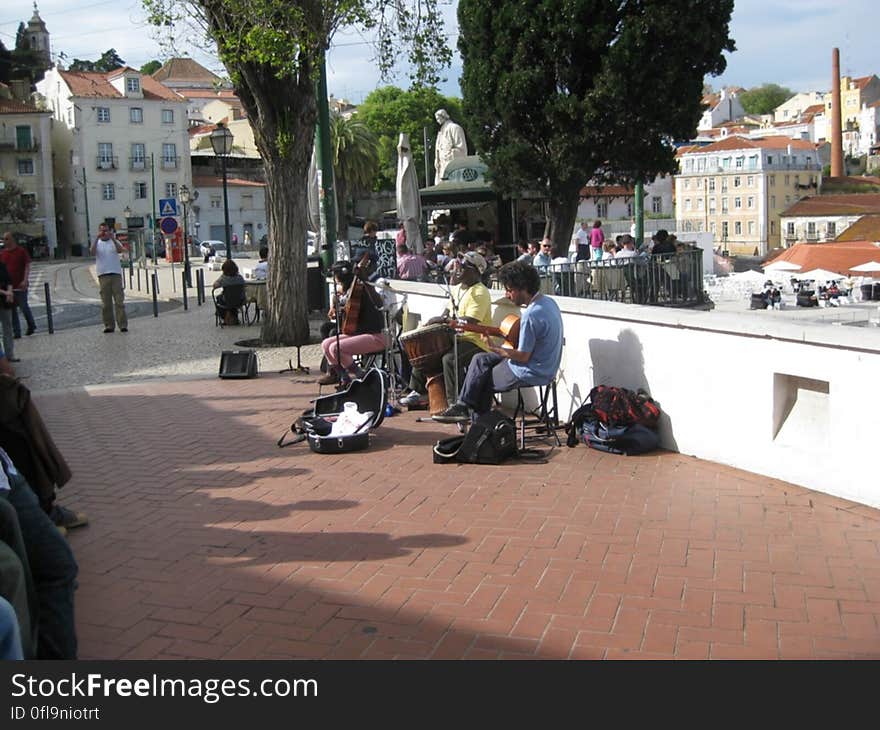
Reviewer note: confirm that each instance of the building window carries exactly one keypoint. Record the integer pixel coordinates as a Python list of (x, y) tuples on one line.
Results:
[(725, 163), (750, 202), (830, 229), (750, 181), (725, 230), (789, 228), (711, 205), (701, 164), (699, 204), (656, 204), (711, 184), (602, 209), (723, 184), (753, 163), (687, 205), (23, 139), (713, 228), (787, 180), (737, 181), (132, 84), (699, 183), (140, 191), (215, 201), (103, 114), (772, 228), (105, 155), (687, 184), (138, 156), (772, 179), (737, 203), (737, 228), (811, 228), (629, 210), (168, 116), (169, 155), (724, 207), (26, 166), (773, 202), (751, 228), (108, 191), (170, 190), (136, 115), (688, 165), (740, 162), (769, 160)]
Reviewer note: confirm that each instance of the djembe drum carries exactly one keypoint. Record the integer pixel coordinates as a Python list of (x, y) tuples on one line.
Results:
[(425, 348)]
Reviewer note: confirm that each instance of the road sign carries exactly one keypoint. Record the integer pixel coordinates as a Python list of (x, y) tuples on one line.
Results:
[(168, 225), (167, 206)]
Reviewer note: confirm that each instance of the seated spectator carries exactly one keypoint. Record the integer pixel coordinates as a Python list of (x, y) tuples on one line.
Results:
[(544, 257), (48, 561), (662, 244), (261, 270), (410, 266), (629, 247), (229, 276)]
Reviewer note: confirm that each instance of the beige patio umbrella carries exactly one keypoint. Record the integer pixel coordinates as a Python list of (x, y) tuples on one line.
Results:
[(409, 205)]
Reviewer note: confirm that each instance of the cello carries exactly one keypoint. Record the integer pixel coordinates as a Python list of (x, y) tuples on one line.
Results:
[(356, 293)]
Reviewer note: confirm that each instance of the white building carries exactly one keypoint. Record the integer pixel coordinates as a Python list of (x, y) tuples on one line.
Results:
[(822, 218), (792, 109), (247, 209), (121, 145), (722, 107), (26, 161), (737, 188), (610, 203)]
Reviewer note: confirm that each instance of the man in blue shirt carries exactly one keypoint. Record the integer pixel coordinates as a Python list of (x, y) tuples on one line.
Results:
[(535, 360)]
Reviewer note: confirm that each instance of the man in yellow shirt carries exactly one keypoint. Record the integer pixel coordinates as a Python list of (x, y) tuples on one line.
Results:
[(472, 303)]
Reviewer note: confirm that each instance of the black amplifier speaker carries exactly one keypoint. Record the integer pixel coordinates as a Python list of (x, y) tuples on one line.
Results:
[(238, 364)]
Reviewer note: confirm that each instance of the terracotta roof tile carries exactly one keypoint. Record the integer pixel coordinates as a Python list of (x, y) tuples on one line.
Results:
[(839, 257), (605, 191), (866, 228), (14, 106), (211, 181), (819, 205), (771, 143), (91, 84), (184, 69)]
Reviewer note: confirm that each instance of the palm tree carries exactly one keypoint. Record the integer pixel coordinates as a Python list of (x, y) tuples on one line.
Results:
[(355, 159)]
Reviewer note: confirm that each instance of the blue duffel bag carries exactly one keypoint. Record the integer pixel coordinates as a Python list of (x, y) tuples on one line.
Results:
[(627, 440)]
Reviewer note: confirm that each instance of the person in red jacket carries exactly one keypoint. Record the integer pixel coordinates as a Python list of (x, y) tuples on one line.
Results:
[(18, 263)]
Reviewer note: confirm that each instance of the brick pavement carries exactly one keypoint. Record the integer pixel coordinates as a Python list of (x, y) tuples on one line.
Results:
[(207, 541)]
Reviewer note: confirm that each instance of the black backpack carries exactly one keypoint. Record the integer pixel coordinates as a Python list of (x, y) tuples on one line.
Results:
[(490, 440)]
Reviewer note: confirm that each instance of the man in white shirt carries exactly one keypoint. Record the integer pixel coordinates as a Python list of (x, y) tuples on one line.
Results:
[(106, 250)]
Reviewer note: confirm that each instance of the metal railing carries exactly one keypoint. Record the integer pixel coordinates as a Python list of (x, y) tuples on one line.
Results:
[(138, 163), (170, 163), (14, 145), (106, 163), (668, 280)]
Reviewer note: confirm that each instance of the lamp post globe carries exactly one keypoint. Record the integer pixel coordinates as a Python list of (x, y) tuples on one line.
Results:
[(127, 215), (221, 142)]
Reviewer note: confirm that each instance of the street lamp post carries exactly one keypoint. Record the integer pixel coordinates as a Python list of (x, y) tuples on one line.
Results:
[(184, 195), (221, 141)]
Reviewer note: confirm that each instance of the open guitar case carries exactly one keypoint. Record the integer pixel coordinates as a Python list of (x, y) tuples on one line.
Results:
[(370, 393)]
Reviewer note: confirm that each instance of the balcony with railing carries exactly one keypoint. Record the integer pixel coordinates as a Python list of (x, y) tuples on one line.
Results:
[(18, 146), (170, 163), (138, 164), (105, 162)]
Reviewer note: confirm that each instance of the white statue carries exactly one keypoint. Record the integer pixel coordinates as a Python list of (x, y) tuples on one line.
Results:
[(450, 143)]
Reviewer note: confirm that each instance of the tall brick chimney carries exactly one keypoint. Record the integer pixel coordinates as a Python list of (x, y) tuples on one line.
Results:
[(836, 132)]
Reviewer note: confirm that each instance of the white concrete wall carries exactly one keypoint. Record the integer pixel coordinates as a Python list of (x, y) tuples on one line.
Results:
[(788, 400)]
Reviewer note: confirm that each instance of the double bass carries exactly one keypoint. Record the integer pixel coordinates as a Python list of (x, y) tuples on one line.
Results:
[(356, 294)]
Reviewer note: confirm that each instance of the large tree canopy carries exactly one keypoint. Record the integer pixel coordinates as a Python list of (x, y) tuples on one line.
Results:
[(559, 92), (764, 99), (272, 50), (389, 110), (109, 61)]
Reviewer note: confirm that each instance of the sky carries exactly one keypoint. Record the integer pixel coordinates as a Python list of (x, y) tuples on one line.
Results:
[(786, 42)]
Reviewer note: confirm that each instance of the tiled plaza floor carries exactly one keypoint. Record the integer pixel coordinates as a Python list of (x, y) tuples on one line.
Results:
[(208, 541)]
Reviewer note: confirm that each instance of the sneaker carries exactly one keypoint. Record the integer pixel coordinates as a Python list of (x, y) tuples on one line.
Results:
[(107, 330), (64, 517), (456, 413), (414, 399), (123, 329), (330, 378)]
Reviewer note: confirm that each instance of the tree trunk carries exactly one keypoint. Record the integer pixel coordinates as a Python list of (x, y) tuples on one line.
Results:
[(562, 219), (282, 113)]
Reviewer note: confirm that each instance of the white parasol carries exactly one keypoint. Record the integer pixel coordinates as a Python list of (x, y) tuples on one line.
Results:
[(409, 206), (821, 275), (782, 266), (870, 266), (750, 276)]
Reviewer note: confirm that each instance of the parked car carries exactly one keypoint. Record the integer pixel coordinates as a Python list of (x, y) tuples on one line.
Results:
[(210, 248)]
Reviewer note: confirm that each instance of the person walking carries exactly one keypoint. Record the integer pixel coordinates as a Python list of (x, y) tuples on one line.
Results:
[(18, 264), (106, 250)]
